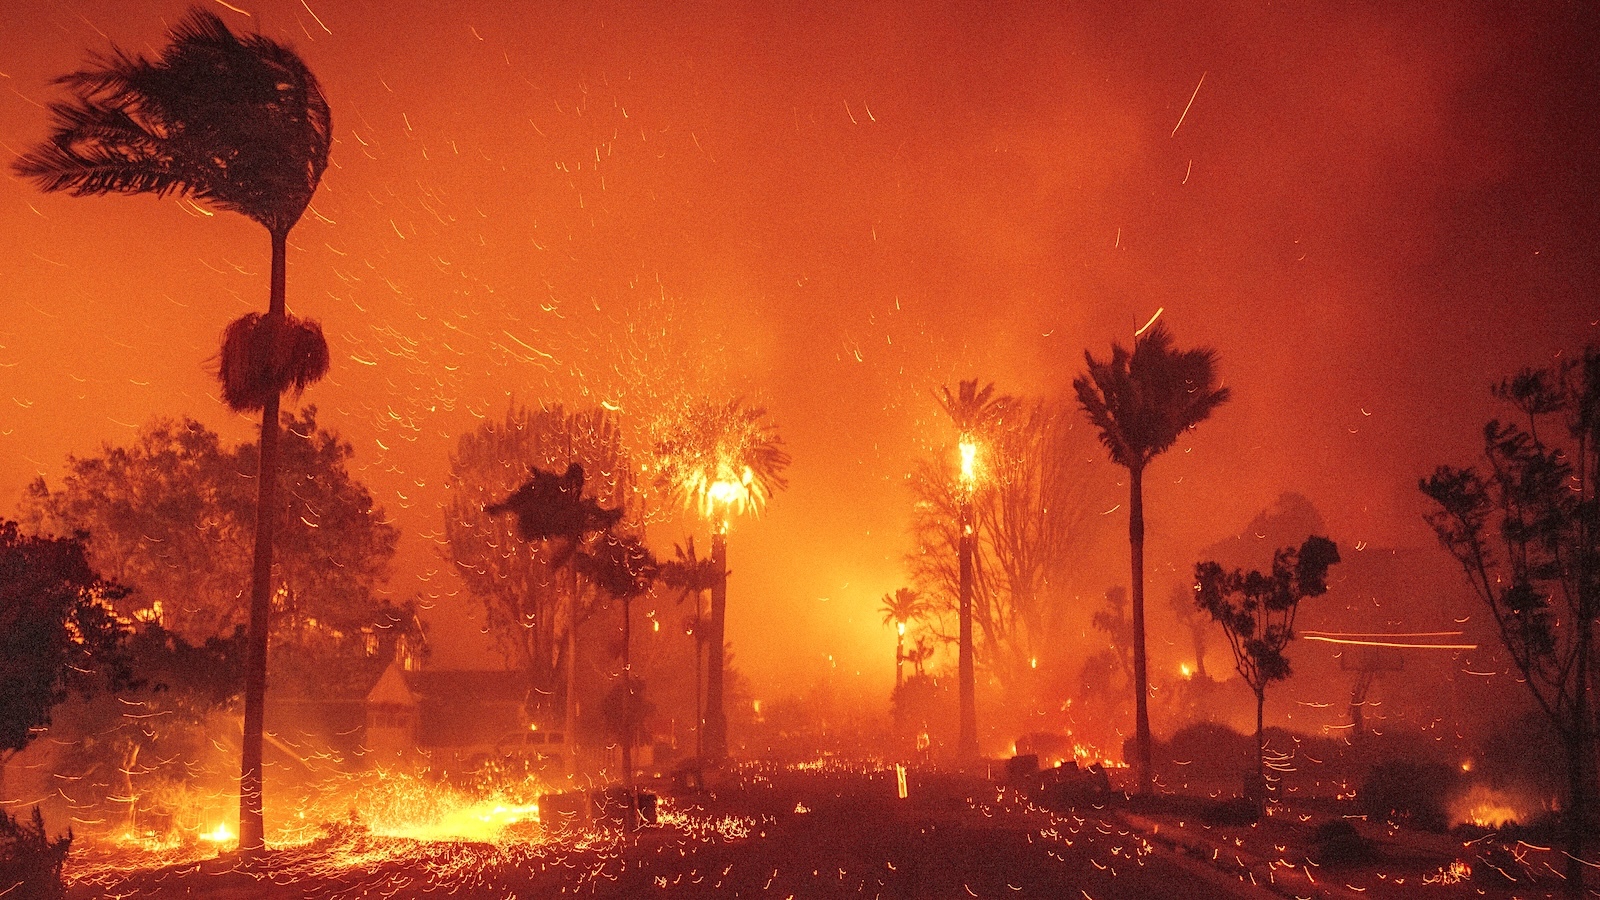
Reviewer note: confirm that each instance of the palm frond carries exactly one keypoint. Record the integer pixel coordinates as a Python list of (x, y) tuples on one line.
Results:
[(620, 565), (904, 605), (688, 574), (1143, 401), (729, 443), (973, 409), (240, 123), (99, 149), (264, 356)]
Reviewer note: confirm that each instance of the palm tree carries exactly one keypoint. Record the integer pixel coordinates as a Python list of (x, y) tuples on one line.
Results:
[(1141, 402), (622, 567), (973, 411), (240, 123), (900, 609), (720, 459), (692, 576), (551, 508)]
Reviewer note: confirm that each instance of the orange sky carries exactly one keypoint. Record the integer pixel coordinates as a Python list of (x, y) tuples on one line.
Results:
[(833, 208)]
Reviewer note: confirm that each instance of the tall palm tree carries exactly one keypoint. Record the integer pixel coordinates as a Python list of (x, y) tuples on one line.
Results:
[(720, 459), (900, 609), (1142, 402), (240, 123), (692, 576), (974, 412)]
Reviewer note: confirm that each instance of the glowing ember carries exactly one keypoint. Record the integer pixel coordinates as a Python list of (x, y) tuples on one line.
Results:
[(1455, 873), (485, 822)]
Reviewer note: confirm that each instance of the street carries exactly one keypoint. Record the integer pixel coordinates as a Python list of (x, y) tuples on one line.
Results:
[(811, 831)]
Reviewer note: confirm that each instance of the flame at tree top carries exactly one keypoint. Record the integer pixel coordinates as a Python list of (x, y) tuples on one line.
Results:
[(969, 462), (721, 459)]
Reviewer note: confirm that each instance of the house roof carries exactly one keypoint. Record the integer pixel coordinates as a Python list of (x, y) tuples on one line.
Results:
[(450, 686), (468, 685), (392, 688)]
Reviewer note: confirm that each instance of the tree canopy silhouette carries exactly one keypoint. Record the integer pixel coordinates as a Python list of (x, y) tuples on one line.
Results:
[(58, 633), (1257, 612), (1527, 534)]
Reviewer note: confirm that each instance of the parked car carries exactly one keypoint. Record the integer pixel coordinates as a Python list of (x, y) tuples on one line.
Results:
[(534, 750)]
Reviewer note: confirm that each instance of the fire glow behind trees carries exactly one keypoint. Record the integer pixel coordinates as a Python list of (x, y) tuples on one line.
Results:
[(1370, 213)]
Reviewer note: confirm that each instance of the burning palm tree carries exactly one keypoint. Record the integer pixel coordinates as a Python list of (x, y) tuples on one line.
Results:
[(900, 609), (973, 412), (721, 459), (1141, 402), (240, 123)]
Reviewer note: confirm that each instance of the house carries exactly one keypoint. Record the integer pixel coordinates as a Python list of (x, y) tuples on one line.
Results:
[(446, 716)]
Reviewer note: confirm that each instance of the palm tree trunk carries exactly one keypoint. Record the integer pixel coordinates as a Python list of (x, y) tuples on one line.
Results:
[(716, 736), (699, 696), (899, 659), (627, 704), (1141, 681), (570, 708), (967, 741), (252, 833)]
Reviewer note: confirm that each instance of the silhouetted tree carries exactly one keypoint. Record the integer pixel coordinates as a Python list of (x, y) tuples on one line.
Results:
[(1181, 601), (1288, 521), (551, 507), (30, 860), (935, 559), (516, 565), (720, 459), (1030, 507), (1257, 613), (1111, 619), (172, 517), (58, 634), (1032, 517), (1107, 672), (1142, 402), (1527, 534), (241, 123)]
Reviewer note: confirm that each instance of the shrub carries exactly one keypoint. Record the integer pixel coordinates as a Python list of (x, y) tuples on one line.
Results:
[(31, 861), (1234, 811), (1336, 842), (1410, 793)]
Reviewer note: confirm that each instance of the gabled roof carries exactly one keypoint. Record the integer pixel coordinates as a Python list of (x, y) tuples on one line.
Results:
[(392, 688)]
